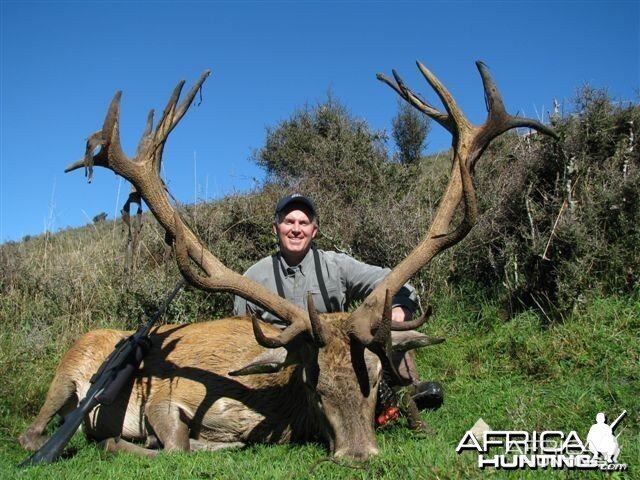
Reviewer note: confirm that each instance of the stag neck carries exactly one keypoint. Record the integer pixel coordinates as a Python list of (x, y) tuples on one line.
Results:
[(294, 416)]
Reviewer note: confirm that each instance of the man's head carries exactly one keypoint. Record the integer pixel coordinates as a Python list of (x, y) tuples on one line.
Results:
[(295, 225)]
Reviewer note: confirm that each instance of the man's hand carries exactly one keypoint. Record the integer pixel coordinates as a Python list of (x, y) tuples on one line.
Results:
[(400, 314)]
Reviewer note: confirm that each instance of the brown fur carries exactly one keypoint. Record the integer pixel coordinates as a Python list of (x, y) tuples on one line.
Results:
[(183, 397)]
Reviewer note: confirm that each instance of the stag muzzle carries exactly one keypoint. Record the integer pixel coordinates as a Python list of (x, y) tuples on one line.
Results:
[(357, 452), (357, 441), (353, 435)]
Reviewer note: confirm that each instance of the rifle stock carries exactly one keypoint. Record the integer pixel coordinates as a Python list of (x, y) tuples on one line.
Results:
[(112, 370), (116, 370)]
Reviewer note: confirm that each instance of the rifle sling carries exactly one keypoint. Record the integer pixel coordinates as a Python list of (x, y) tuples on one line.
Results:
[(276, 275), (125, 372)]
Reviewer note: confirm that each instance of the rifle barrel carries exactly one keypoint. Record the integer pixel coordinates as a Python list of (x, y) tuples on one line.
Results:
[(617, 420)]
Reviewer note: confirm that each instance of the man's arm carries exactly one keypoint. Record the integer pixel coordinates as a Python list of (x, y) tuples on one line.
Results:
[(240, 306), (361, 278), (259, 272), (401, 314), (262, 273)]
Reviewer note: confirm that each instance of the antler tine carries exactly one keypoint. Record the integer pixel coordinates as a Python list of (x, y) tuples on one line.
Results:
[(457, 118), (381, 324), (412, 324), (172, 113), (282, 340), (415, 101), (380, 343), (147, 181), (261, 338), (492, 96), (145, 139), (299, 327), (113, 116), (163, 128), (498, 120), (318, 330), (111, 155), (469, 142), (406, 93), (115, 157), (102, 138), (188, 99), (94, 141)]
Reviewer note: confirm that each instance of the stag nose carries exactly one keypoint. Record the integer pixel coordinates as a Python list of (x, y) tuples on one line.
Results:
[(359, 452)]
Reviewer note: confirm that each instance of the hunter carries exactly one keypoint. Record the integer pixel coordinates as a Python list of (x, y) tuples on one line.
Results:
[(334, 279)]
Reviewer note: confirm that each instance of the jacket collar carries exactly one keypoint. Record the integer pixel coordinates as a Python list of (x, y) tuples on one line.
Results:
[(303, 267)]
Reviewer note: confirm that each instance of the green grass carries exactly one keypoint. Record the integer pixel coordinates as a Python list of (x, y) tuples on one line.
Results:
[(515, 374)]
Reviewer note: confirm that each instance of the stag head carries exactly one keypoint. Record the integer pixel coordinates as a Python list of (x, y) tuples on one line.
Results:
[(341, 355)]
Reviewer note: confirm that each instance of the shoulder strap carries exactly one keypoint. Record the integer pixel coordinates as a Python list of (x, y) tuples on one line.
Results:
[(276, 275), (323, 288)]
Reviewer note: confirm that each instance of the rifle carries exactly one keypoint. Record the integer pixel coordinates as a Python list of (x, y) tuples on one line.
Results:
[(106, 383), (617, 420)]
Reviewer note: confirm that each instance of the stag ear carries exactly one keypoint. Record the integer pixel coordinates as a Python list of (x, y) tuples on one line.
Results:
[(270, 361), (410, 340)]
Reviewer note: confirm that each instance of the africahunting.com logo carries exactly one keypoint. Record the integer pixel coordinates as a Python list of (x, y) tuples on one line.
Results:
[(511, 450)]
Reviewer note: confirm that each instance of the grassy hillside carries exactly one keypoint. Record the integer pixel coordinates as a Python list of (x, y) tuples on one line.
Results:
[(539, 304)]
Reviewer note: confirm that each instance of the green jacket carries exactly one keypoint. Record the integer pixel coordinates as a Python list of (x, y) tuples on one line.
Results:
[(346, 279)]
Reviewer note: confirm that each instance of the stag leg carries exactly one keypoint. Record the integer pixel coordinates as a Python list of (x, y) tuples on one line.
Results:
[(61, 399), (213, 446), (169, 425), (413, 416), (119, 445), (406, 366)]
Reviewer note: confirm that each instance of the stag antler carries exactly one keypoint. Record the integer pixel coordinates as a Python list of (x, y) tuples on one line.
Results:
[(143, 171), (468, 142)]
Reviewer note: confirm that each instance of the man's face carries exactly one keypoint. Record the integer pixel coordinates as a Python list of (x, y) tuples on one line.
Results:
[(295, 232)]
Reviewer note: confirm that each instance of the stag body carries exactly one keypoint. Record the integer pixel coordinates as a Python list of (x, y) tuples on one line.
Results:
[(200, 387)]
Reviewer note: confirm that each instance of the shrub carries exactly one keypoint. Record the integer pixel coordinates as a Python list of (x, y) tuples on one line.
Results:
[(561, 218), (410, 129)]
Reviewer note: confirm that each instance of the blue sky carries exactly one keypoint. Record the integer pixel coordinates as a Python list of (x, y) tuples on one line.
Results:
[(62, 61)]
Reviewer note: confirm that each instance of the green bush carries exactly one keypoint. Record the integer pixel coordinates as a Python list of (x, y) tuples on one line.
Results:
[(409, 130), (560, 218)]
